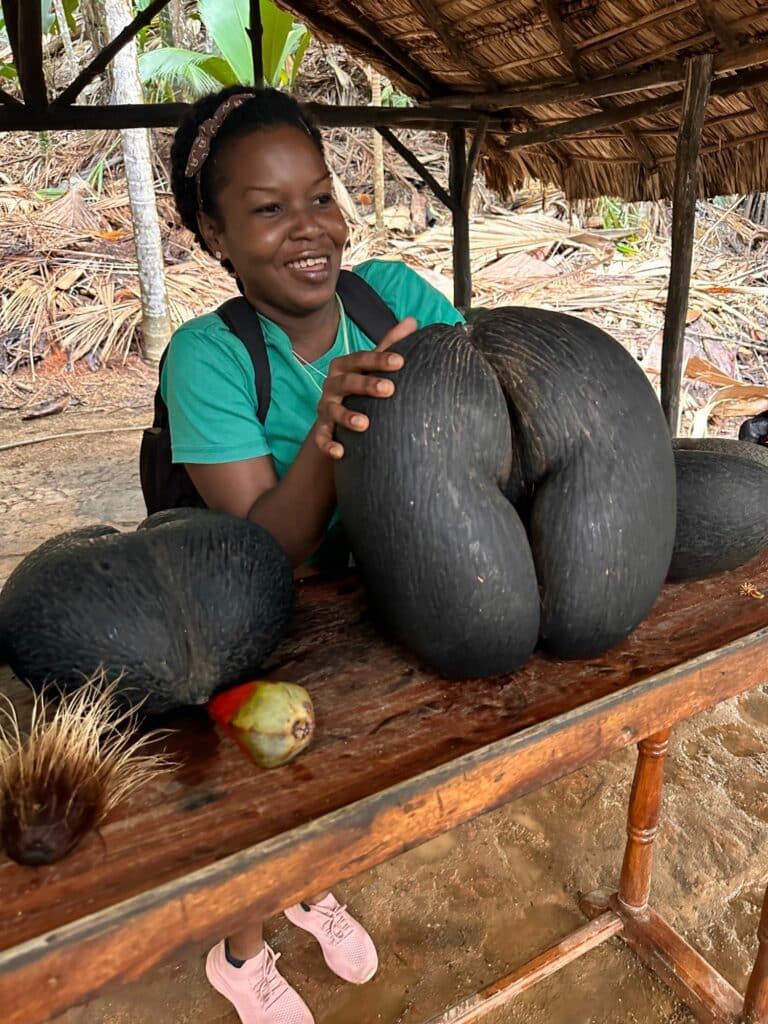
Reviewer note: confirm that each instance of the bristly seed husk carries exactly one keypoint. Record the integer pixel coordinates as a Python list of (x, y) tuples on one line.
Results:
[(80, 757)]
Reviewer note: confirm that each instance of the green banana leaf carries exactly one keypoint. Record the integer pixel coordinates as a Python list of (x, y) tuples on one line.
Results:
[(227, 22)]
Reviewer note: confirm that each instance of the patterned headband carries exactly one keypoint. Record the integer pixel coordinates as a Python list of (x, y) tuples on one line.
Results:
[(207, 132)]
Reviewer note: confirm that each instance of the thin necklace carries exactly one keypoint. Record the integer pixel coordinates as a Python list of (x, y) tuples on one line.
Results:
[(308, 368)]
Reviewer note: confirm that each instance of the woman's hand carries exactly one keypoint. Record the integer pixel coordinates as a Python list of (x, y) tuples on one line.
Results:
[(355, 375)]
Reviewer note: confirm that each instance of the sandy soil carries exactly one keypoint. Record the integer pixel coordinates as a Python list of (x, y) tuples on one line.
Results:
[(473, 904)]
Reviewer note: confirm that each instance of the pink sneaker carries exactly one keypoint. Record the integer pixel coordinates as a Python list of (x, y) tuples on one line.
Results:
[(256, 990), (347, 947)]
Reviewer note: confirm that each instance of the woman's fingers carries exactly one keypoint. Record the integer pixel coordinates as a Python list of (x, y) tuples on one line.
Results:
[(343, 384), (397, 333), (355, 375), (371, 361), (325, 440)]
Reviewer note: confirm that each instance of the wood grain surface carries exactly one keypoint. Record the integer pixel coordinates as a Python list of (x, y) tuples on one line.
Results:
[(400, 756)]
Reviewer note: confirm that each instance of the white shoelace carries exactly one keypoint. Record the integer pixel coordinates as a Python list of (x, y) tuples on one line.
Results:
[(336, 925), (270, 985)]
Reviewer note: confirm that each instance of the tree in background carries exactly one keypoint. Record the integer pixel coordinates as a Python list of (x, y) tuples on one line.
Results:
[(137, 158)]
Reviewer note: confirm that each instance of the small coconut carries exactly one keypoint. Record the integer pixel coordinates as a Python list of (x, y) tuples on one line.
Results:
[(78, 760), (275, 722)]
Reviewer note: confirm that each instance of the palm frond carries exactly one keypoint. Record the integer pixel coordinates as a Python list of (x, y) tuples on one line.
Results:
[(195, 73)]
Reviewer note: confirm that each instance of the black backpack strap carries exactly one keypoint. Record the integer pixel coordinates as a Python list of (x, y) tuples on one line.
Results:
[(161, 409), (364, 306), (243, 320)]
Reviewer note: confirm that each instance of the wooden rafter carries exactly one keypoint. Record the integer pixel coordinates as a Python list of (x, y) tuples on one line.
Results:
[(717, 24), (102, 59), (23, 20), (620, 81), (571, 54), (415, 164), (444, 32), (157, 115), (645, 108), (370, 40), (729, 40)]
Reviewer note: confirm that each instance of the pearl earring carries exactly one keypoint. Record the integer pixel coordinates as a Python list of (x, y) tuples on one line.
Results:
[(217, 255)]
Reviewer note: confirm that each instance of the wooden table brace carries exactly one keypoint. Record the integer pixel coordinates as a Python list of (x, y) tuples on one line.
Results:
[(627, 913)]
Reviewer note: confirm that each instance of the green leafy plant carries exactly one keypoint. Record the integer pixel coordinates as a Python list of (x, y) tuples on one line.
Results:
[(226, 22), (390, 97)]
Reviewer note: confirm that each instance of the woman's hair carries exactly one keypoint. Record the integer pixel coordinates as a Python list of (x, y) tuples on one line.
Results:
[(268, 108)]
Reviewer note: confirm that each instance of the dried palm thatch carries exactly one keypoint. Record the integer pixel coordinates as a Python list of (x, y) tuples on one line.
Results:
[(542, 63), (70, 278)]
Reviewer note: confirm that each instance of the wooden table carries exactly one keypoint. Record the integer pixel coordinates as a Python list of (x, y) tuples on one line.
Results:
[(400, 757)]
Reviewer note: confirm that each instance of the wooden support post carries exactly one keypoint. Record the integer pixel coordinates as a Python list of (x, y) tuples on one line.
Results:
[(23, 21), (756, 999), (256, 35), (642, 824), (698, 78), (462, 271)]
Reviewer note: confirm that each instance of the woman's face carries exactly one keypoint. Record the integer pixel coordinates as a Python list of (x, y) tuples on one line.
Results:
[(278, 221)]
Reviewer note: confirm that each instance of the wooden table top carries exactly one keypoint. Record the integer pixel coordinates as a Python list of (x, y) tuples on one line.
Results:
[(399, 756)]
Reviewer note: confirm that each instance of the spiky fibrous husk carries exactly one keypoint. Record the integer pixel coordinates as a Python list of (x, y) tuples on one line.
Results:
[(79, 758)]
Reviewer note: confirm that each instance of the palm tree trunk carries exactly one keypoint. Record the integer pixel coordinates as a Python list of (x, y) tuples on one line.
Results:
[(137, 157), (378, 158), (179, 24), (66, 38)]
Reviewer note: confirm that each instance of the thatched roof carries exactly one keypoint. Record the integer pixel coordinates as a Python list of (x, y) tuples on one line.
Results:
[(470, 52)]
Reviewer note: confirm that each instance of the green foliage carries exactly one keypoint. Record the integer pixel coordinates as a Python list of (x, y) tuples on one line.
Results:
[(226, 22), (390, 97), (616, 214), (174, 68)]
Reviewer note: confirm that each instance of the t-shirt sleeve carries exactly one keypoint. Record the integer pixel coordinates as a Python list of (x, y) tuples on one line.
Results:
[(208, 386), (407, 293)]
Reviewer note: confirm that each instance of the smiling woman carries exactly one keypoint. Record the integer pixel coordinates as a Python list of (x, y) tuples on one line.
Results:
[(250, 181)]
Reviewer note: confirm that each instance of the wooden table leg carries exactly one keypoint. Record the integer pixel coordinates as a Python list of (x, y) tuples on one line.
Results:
[(642, 824), (756, 999)]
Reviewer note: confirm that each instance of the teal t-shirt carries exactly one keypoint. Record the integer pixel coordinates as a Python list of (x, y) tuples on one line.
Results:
[(208, 381)]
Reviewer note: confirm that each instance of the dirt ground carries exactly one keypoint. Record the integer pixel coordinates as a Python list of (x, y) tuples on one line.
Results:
[(473, 904)]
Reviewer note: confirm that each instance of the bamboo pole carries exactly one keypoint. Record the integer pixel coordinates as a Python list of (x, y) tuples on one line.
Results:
[(697, 87)]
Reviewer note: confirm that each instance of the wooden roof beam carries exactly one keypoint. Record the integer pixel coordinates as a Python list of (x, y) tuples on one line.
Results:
[(619, 82), (739, 82), (639, 148), (157, 115), (23, 21), (371, 37), (102, 59)]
